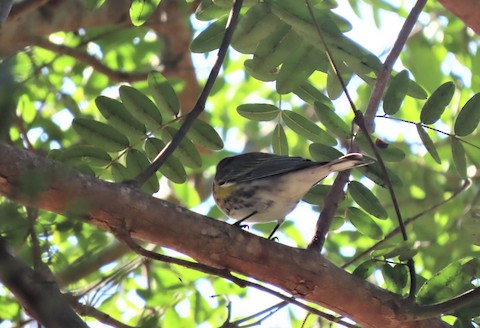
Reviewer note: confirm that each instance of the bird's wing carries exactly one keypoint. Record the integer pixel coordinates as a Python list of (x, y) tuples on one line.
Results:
[(250, 166)]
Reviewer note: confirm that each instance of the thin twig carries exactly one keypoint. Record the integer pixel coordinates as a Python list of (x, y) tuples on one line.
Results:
[(407, 222), (359, 120), (90, 311), (433, 129), (266, 313), (24, 7), (89, 60), (384, 75), (200, 105), (224, 273)]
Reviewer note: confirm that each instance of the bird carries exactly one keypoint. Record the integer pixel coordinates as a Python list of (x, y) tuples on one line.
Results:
[(263, 187)]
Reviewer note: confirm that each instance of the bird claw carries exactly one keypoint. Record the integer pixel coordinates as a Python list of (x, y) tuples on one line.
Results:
[(242, 226)]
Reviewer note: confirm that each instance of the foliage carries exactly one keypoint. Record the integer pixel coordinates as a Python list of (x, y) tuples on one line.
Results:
[(276, 93)]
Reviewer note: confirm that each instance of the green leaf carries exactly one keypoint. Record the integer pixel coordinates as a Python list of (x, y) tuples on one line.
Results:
[(186, 151), (332, 121), (208, 10), (364, 223), (94, 4), (365, 269), (459, 158), (120, 172), (396, 92), (470, 224), (258, 112), (428, 143), (163, 94), (317, 194), (210, 38), (117, 115), (136, 162), (375, 173), (322, 153), (258, 73), (366, 200), (258, 23), (334, 87), (141, 10), (306, 128), (275, 48), (279, 141), (172, 169), (308, 93), (437, 102), (391, 251), (100, 134), (453, 280), (92, 155), (395, 277), (141, 107), (204, 135), (297, 68), (469, 117)]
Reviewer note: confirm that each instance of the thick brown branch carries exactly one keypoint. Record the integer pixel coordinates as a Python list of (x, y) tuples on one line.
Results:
[(467, 10), (302, 273), (37, 293)]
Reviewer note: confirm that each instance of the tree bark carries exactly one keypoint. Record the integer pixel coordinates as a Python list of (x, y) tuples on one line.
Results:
[(467, 10), (302, 273)]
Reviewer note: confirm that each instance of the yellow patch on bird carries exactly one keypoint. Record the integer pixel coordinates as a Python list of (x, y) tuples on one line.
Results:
[(223, 191)]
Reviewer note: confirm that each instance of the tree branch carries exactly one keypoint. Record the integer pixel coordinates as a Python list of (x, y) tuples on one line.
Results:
[(200, 105), (89, 60), (384, 75), (467, 10), (301, 273), (37, 293), (5, 8)]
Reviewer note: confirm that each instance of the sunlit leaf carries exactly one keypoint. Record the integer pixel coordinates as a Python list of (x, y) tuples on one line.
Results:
[(203, 134), (364, 223), (92, 155), (117, 115), (307, 128), (258, 112), (279, 141), (163, 94), (459, 157), (428, 143), (100, 134), (172, 168), (322, 153), (437, 103), (469, 117), (136, 162), (141, 107), (366, 200), (453, 280), (141, 10), (396, 92)]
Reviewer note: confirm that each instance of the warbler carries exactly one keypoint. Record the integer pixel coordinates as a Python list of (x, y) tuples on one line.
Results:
[(261, 187)]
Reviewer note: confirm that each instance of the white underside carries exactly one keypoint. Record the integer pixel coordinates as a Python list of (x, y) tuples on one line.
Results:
[(275, 206)]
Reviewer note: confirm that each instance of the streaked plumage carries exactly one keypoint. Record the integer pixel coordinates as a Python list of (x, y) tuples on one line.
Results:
[(261, 187)]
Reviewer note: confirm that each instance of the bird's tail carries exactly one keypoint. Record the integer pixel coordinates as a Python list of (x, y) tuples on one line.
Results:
[(348, 162)]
